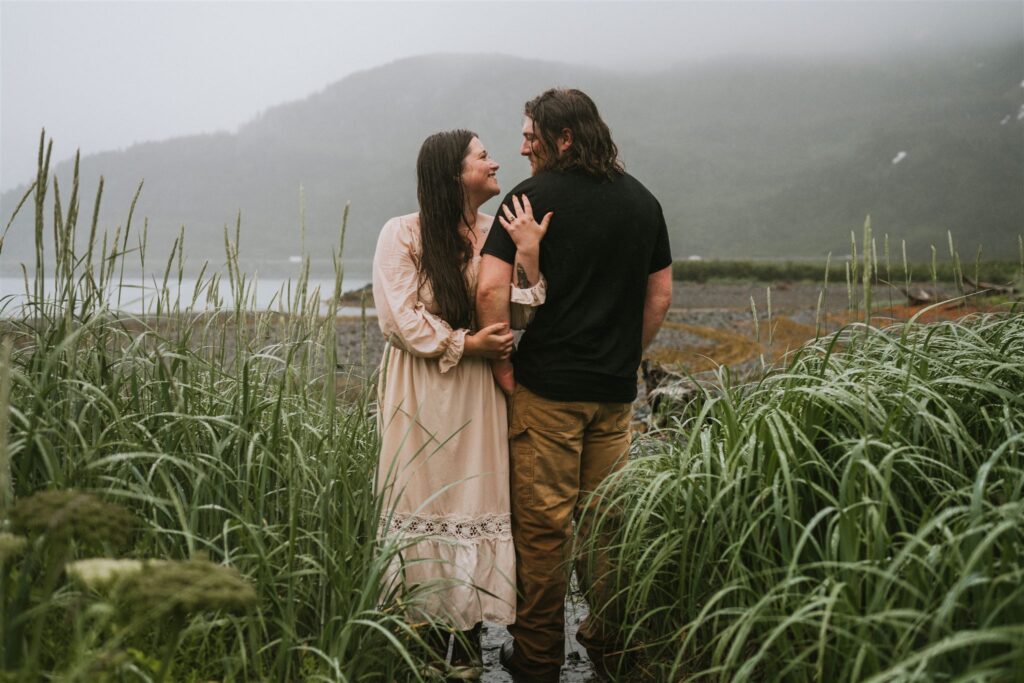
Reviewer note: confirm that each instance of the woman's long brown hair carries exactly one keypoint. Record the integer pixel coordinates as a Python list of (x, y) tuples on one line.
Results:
[(442, 201)]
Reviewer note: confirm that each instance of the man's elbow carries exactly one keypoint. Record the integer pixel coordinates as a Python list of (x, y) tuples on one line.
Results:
[(664, 302), (489, 294), (659, 293), (656, 308), (492, 303)]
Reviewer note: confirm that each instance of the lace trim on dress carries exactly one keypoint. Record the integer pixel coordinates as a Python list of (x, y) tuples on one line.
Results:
[(496, 526)]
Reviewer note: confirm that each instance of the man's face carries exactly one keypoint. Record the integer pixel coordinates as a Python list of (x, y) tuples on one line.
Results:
[(533, 148)]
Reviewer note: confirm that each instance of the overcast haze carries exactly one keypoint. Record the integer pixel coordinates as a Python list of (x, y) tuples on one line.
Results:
[(102, 76)]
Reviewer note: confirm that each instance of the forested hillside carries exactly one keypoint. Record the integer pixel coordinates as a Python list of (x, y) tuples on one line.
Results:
[(750, 158)]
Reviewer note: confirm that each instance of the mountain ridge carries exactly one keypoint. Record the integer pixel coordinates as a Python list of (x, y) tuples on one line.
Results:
[(770, 158)]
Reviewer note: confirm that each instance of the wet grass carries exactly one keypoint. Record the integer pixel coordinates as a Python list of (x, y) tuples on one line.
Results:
[(224, 448), (854, 515)]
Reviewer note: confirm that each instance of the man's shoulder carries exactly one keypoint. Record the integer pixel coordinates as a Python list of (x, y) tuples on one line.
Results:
[(529, 184), (637, 188), (551, 184), (632, 180)]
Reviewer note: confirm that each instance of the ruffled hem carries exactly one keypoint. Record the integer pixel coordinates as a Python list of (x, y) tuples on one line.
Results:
[(456, 582), (456, 344)]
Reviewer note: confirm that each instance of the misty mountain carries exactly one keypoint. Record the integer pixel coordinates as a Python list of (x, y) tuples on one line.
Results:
[(749, 158)]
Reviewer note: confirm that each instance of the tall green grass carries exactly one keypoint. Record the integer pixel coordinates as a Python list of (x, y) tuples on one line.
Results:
[(855, 515), (225, 446)]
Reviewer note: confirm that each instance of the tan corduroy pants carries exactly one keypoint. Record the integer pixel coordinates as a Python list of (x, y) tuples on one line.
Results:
[(560, 451)]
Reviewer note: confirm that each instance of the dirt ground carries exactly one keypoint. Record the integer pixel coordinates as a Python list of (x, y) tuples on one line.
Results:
[(711, 324)]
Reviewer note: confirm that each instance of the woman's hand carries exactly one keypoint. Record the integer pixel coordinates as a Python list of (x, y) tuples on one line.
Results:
[(521, 227), (493, 341)]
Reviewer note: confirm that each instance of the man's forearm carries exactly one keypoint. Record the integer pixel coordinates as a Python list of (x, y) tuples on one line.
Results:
[(493, 291), (494, 288), (654, 316), (656, 303), (492, 305)]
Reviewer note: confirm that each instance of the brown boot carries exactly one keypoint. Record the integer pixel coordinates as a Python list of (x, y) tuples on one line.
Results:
[(510, 660)]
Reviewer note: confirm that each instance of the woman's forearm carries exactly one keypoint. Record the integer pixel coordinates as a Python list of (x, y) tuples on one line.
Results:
[(527, 267)]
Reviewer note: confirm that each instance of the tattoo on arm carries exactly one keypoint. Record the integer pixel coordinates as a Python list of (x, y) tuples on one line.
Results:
[(521, 279)]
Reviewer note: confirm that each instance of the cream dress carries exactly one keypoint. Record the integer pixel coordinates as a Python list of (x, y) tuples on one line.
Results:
[(443, 467)]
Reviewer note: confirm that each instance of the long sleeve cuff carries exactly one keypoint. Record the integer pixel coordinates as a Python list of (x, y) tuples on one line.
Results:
[(531, 296), (453, 351)]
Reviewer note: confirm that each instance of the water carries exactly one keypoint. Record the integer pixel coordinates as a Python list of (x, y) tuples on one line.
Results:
[(139, 295)]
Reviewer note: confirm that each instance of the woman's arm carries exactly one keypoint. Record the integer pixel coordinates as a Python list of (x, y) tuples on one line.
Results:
[(406, 321), (528, 287), (527, 235)]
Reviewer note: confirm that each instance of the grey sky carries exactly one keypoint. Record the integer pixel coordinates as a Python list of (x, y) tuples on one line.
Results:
[(101, 75)]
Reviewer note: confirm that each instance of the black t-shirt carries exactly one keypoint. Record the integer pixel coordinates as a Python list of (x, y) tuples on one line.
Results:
[(605, 238)]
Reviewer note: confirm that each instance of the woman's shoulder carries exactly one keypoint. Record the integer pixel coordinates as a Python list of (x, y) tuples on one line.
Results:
[(410, 221), (484, 221), (402, 228)]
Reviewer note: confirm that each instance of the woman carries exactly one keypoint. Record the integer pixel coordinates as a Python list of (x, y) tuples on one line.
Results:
[(444, 434)]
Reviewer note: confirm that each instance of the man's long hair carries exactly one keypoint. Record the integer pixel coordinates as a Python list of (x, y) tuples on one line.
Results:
[(592, 150), (442, 201)]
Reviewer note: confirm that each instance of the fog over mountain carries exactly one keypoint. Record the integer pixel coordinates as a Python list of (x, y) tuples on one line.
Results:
[(749, 157)]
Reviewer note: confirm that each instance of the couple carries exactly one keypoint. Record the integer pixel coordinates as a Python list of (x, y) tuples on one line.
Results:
[(487, 456)]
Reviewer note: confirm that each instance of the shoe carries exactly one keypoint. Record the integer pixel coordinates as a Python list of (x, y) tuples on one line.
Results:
[(467, 660), (466, 648), (507, 658), (608, 667)]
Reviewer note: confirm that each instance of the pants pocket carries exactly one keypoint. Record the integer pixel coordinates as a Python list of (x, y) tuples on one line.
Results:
[(522, 466)]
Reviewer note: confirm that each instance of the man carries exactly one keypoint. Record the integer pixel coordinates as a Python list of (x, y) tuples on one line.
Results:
[(572, 380)]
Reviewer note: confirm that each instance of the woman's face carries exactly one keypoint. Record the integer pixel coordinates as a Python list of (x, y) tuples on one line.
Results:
[(479, 173)]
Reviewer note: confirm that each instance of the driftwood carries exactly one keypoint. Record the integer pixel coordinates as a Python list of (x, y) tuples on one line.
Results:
[(355, 297), (666, 389), (980, 286), (916, 296)]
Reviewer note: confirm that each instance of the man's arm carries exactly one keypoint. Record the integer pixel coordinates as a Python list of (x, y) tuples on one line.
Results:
[(493, 289), (656, 302)]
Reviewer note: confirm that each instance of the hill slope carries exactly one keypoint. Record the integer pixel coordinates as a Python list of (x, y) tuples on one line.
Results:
[(749, 158)]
